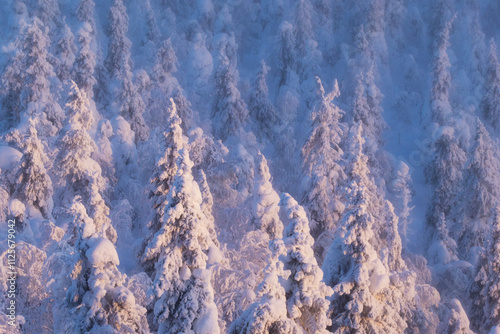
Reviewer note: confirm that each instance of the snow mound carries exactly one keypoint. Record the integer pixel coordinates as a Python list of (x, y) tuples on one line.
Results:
[(9, 157), (102, 251)]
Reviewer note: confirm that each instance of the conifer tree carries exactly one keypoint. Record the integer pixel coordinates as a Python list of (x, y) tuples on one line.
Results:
[(456, 320), (484, 291), (65, 51), (303, 27), (260, 107), (367, 110), (86, 13), (307, 302), (163, 176), (96, 301), (481, 189), (81, 174), (85, 61), (445, 173), (321, 158), (441, 84), (35, 98), (266, 209), (119, 65), (229, 111), (48, 12), (184, 298), (491, 99), (269, 313), (33, 184), (357, 275), (443, 249)]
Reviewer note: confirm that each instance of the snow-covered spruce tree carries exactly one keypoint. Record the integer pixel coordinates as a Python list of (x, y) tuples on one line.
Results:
[(444, 172), (85, 61), (491, 99), (49, 13), (393, 246), (443, 248), (119, 65), (86, 13), (401, 186), (321, 158), (81, 174), (357, 275), (484, 291), (96, 301), (367, 109), (12, 82), (357, 170), (36, 99), (260, 107), (480, 190), (307, 295), (456, 320), (167, 85), (303, 27), (265, 208), (163, 177), (33, 184), (184, 298), (269, 313), (286, 53), (152, 33), (65, 53), (229, 111), (441, 83)]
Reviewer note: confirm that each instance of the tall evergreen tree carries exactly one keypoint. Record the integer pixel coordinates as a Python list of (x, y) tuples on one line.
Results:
[(85, 61), (491, 98), (33, 184), (119, 65), (81, 174), (269, 313), (321, 159), (445, 172), (484, 291), (480, 191), (96, 301), (260, 107), (266, 207), (184, 298), (229, 111), (163, 176), (441, 84), (307, 302)]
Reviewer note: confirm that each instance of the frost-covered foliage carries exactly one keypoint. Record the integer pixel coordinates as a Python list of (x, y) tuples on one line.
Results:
[(321, 160), (33, 184), (119, 65), (260, 107), (97, 300), (137, 130), (480, 191), (85, 62), (484, 291), (307, 294), (81, 174), (491, 99), (184, 298), (266, 207), (229, 110), (269, 313), (444, 172)]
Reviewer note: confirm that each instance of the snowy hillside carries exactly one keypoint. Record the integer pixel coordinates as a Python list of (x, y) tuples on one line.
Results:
[(250, 166)]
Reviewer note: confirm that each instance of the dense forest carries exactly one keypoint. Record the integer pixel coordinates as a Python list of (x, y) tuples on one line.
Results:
[(250, 166)]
